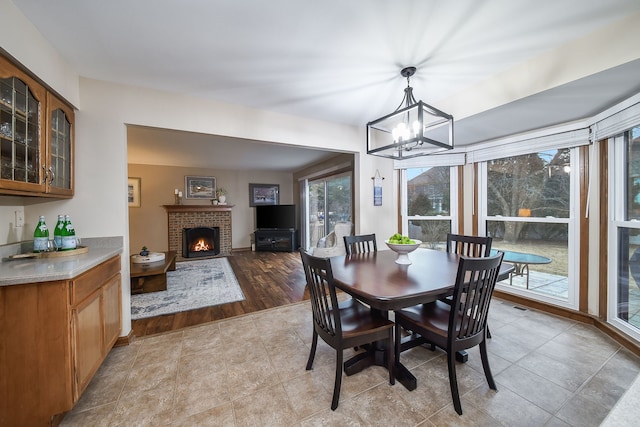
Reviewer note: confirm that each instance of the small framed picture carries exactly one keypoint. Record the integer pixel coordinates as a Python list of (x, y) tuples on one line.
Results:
[(133, 192), (200, 187), (263, 194)]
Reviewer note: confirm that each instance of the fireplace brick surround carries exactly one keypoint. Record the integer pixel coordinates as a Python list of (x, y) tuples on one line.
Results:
[(189, 216)]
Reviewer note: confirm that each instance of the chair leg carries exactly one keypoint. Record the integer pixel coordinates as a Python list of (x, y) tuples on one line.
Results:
[(485, 365), (488, 332), (338, 382), (453, 381), (312, 353)]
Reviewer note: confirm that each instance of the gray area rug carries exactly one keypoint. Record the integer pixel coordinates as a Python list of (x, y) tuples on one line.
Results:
[(194, 284)]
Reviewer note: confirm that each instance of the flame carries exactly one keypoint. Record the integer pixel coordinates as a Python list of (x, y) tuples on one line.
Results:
[(201, 245)]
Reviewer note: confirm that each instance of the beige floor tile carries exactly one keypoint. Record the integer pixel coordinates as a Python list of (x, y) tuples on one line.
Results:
[(471, 417), (200, 390), (200, 338), (102, 390), (565, 374), (144, 408), (343, 416), (246, 378), (269, 406), (534, 388), (383, 406), (507, 407), (581, 412), (289, 362), (309, 394), (151, 376), (220, 416), (100, 416)]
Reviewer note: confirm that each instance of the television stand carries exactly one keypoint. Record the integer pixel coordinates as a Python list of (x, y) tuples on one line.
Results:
[(276, 240)]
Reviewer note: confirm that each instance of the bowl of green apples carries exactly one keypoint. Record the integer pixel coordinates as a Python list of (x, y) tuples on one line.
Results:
[(402, 245)]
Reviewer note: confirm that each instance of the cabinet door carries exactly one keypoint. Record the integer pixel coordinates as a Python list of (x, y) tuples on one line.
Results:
[(22, 142), (86, 324), (59, 168), (111, 309)]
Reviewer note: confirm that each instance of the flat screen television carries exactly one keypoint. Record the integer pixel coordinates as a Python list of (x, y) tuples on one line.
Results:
[(274, 217)]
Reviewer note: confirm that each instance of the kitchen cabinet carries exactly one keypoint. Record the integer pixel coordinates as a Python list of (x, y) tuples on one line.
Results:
[(54, 336), (36, 137)]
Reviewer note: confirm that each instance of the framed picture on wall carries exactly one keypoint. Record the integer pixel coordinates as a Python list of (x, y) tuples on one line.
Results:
[(263, 194), (200, 187), (133, 192)]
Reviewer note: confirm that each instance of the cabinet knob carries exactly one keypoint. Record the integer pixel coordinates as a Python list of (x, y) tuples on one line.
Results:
[(44, 174), (51, 175)]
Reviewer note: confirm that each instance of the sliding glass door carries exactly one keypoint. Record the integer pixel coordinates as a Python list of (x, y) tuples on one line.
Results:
[(329, 202)]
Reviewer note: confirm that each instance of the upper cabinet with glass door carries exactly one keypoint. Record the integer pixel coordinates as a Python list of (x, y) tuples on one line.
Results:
[(59, 165), (36, 137)]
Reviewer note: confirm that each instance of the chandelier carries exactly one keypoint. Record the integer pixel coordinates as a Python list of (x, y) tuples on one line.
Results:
[(413, 129)]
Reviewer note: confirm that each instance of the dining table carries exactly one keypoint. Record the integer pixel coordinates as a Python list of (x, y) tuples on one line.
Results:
[(378, 281)]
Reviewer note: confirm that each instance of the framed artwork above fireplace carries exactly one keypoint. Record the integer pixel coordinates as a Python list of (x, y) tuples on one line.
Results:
[(200, 187)]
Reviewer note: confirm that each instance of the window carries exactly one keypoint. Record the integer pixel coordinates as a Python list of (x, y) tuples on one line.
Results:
[(527, 206), (430, 194), (624, 232)]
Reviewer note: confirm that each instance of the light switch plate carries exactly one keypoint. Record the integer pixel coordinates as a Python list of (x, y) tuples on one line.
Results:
[(19, 219)]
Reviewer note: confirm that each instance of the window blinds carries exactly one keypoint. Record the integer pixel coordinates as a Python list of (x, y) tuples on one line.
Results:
[(618, 119), (447, 159)]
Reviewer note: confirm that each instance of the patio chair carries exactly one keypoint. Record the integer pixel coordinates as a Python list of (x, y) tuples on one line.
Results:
[(333, 243)]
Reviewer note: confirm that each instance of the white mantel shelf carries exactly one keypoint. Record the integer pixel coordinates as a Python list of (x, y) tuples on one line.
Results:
[(198, 208)]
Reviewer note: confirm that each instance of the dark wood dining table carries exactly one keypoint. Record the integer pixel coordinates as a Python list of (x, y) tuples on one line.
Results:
[(375, 279)]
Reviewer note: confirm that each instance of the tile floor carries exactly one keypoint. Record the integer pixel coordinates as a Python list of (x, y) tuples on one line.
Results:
[(249, 371)]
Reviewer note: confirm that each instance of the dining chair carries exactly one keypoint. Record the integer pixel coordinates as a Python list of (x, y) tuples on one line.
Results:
[(344, 325), (472, 246), (460, 325), (360, 244)]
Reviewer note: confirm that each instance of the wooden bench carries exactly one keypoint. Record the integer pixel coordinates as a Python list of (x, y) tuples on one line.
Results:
[(152, 276)]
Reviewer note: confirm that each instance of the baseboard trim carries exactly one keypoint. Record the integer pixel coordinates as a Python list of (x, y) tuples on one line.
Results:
[(125, 340), (620, 337)]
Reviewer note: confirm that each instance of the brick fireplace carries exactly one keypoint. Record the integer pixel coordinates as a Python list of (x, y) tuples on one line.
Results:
[(189, 216)]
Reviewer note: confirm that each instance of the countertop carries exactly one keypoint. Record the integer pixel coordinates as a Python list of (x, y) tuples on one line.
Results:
[(32, 270)]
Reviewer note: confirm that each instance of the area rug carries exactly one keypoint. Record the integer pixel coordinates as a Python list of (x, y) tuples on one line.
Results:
[(194, 284)]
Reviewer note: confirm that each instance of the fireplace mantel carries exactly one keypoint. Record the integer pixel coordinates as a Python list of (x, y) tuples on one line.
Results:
[(188, 216), (197, 208)]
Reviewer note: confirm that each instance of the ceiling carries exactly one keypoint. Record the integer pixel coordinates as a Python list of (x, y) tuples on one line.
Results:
[(334, 60)]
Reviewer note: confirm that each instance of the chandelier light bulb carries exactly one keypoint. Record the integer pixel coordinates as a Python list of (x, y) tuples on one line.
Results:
[(401, 132), (416, 128)]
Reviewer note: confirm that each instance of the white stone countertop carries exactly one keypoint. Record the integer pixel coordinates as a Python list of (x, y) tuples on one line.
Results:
[(32, 270)]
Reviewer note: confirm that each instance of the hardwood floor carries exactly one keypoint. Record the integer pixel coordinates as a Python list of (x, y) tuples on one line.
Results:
[(267, 279)]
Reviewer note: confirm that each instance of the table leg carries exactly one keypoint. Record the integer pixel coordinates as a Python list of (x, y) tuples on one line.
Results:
[(358, 362)]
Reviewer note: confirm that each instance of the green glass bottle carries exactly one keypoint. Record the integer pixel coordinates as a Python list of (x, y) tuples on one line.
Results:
[(68, 235), (57, 232), (40, 236)]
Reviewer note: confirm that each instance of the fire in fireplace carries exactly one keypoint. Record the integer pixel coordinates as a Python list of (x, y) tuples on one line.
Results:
[(200, 242)]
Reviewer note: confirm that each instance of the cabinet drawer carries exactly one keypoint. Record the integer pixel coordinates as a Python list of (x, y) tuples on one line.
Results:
[(87, 283)]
